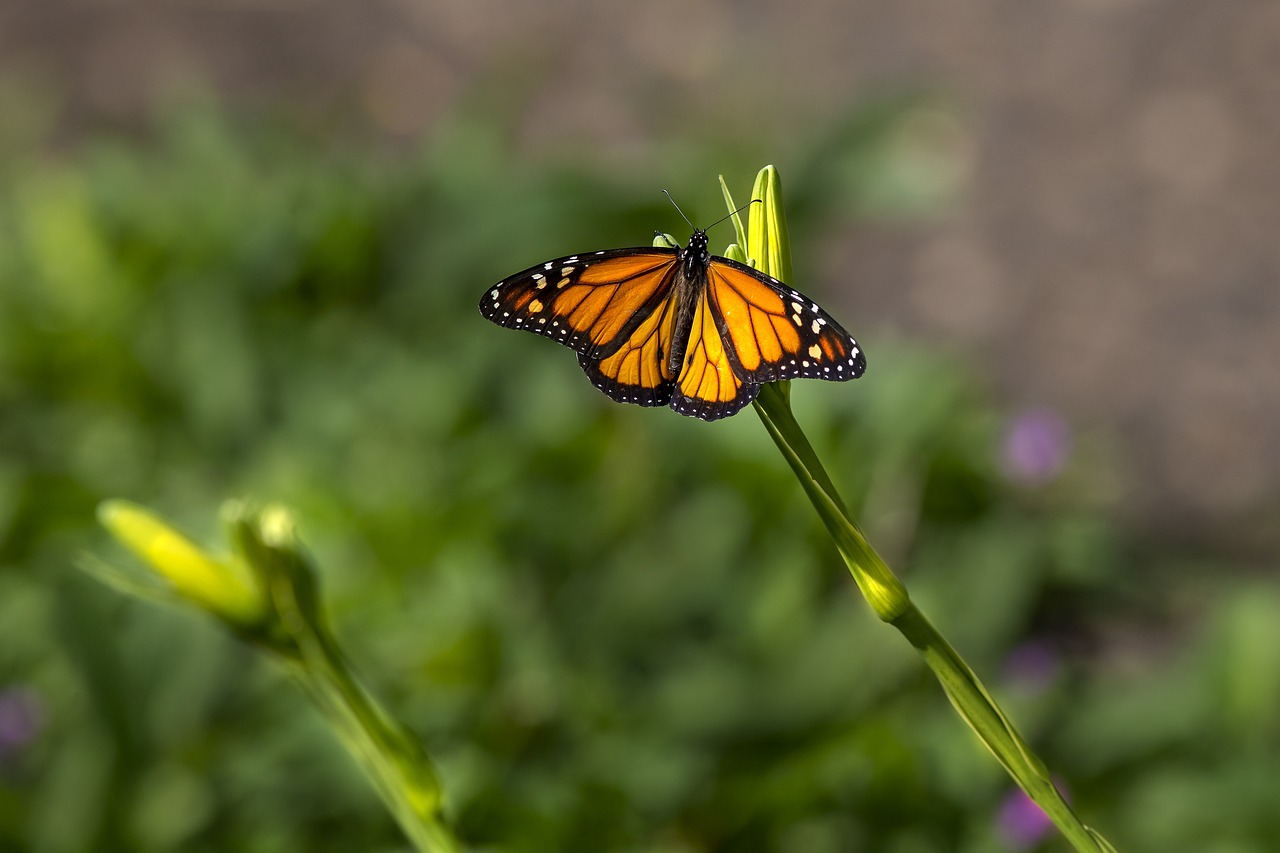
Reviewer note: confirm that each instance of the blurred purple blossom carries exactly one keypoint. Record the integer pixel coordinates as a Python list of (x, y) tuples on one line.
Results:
[(21, 718), (1021, 823), (1035, 446), (1033, 664)]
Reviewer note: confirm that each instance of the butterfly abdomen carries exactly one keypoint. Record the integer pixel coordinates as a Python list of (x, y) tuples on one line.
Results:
[(689, 285)]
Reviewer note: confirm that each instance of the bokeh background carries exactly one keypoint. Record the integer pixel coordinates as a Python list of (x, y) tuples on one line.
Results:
[(241, 245)]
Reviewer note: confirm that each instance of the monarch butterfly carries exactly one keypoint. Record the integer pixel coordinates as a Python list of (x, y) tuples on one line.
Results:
[(678, 327)]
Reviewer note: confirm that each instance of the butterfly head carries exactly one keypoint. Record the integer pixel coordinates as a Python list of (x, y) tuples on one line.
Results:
[(696, 255)]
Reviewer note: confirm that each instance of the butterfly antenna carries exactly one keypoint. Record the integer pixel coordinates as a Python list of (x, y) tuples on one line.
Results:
[(735, 213), (678, 210), (713, 224)]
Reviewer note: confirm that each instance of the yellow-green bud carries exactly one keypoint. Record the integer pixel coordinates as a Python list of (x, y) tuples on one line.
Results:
[(221, 586)]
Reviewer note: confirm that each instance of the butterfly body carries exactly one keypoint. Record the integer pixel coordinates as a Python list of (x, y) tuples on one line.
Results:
[(678, 327), (686, 289)]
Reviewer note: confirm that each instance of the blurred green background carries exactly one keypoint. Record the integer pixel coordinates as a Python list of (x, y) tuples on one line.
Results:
[(248, 264)]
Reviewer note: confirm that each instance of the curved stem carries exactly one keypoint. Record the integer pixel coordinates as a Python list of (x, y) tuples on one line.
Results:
[(392, 758), (890, 601), (393, 761)]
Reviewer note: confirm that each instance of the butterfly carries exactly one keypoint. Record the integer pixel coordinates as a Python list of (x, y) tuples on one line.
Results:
[(676, 326)]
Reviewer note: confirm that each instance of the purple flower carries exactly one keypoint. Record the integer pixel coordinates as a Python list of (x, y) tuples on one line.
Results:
[(21, 718), (1036, 445), (1033, 664), (1021, 824)]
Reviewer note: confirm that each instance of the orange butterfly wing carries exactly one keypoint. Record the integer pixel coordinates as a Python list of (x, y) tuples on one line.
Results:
[(613, 308), (639, 370), (772, 332), (618, 310)]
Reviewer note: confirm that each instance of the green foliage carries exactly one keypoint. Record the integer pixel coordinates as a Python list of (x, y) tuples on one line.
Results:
[(616, 629)]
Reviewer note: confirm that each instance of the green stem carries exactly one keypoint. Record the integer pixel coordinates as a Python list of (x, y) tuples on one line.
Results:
[(882, 589), (274, 604), (391, 757), (890, 601)]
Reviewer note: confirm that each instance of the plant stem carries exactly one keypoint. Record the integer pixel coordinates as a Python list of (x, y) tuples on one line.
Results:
[(891, 603), (391, 756)]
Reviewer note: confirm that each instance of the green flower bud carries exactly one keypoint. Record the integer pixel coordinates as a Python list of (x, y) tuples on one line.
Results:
[(224, 587)]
